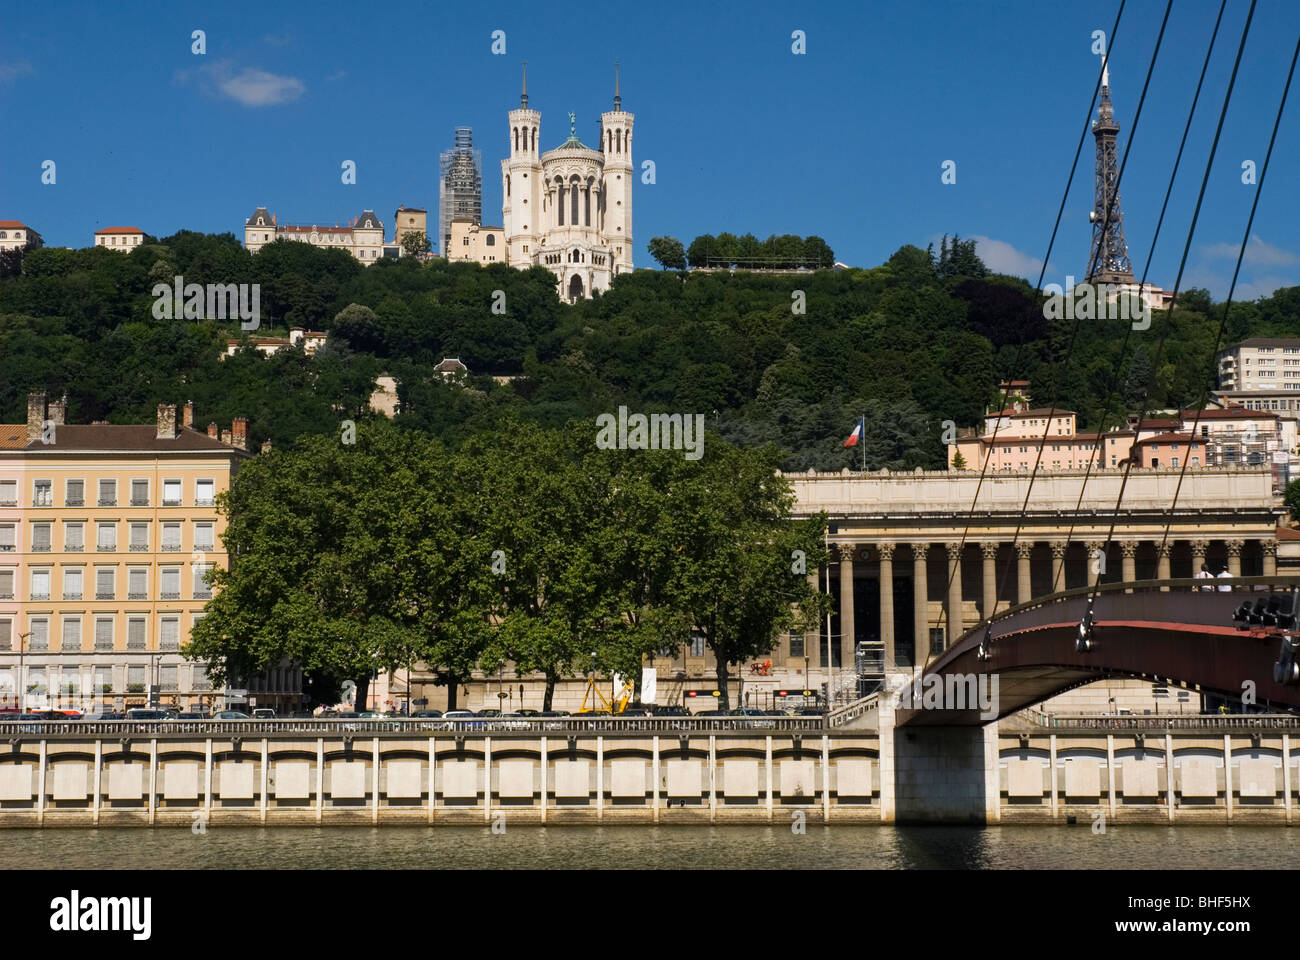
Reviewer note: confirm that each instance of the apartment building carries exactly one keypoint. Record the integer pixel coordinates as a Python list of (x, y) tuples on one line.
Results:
[(121, 239), (106, 534), (1261, 363)]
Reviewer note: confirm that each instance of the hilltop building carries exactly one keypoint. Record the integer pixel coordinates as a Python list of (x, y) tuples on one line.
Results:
[(569, 209), (363, 237), (460, 186), (15, 235), (121, 239)]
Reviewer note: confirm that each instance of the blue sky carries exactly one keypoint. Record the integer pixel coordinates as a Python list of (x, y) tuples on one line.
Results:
[(846, 141)]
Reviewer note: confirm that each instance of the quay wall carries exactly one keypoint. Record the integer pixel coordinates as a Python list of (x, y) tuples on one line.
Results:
[(693, 776)]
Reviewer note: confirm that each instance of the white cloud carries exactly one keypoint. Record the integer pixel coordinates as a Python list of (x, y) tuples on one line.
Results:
[(1258, 253), (9, 72), (257, 88), (248, 86), (1001, 257)]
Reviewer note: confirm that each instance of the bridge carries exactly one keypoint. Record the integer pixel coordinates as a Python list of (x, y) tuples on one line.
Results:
[(1172, 629)]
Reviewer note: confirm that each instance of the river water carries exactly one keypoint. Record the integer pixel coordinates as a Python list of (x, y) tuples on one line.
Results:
[(662, 847)]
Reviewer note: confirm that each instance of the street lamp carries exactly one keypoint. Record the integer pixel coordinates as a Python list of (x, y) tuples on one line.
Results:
[(22, 683)]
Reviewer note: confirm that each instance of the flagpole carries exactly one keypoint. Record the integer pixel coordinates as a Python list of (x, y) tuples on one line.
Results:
[(863, 441)]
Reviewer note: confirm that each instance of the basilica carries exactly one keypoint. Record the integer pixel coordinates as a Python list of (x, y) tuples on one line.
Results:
[(569, 209)]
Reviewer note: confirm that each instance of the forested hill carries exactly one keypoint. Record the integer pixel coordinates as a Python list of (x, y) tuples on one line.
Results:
[(911, 343)]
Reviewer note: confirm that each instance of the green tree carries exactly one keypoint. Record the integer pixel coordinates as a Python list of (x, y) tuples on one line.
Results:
[(668, 251), (416, 244), (1291, 498)]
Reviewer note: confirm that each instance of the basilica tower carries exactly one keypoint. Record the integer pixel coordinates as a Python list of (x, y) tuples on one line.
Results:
[(616, 188), (521, 183)]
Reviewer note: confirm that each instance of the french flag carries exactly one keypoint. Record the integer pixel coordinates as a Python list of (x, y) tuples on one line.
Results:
[(855, 436)]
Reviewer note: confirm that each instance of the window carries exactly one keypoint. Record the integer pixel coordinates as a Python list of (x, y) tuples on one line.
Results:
[(41, 537), (8, 493), (6, 634), (1155, 461), (72, 583), (137, 583), (167, 677), (42, 493), (103, 680), (135, 633), (139, 493), (39, 641), (135, 678), (36, 681), (201, 681), (108, 493), (171, 493), (936, 640), (203, 536), (139, 537), (171, 583), (40, 585), (169, 634), (71, 634), (106, 537), (103, 633), (1173, 462), (74, 537), (105, 583), (171, 537), (697, 645), (7, 538), (796, 644), (6, 584), (202, 590)]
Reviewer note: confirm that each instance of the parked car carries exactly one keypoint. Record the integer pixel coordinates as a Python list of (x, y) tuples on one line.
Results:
[(105, 715), (193, 716), (759, 719), (231, 715), (263, 713), (147, 713)]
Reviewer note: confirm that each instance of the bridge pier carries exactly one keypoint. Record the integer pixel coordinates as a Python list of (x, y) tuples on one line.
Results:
[(931, 774)]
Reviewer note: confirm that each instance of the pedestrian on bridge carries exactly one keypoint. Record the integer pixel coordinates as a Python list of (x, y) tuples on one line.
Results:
[(1205, 575), (1224, 587)]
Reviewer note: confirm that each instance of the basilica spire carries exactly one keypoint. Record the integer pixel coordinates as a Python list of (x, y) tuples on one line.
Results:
[(523, 97), (618, 100)]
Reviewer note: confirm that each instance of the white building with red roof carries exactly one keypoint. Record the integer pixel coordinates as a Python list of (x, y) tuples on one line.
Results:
[(122, 239), (15, 235)]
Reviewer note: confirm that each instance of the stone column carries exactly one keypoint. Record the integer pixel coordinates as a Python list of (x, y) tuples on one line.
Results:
[(920, 602), (1162, 562), (1198, 555), (1096, 561), (810, 636), (847, 638), (989, 550), (887, 600), (1270, 557), (1234, 556), (954, 595), (1129, 549), (1024, 590), (1058, 565)]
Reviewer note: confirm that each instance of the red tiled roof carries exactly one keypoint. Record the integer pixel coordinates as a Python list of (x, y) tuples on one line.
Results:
[(1036, 412), (13, 225), (1286, 533), (1170, 438), (126, 437), (13, 436), (119, 230), (1231, 413)]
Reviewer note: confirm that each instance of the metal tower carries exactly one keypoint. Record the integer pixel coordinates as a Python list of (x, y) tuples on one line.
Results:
[(460, 184), (1108, 256)]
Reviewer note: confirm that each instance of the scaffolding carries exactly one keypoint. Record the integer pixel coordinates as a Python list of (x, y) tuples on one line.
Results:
[(460, 185)]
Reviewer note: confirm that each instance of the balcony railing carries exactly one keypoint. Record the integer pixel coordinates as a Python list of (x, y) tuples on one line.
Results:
[(8, 503), (139, 501), (40, 548), (72, 596), (171, 548), (170, 595), (75, 501), (106, 547), (107, 501), (139, 548), (74, 547), (171, 502), (40, 596), (7, 548), (204, 501), (105, 595), (137, 595)]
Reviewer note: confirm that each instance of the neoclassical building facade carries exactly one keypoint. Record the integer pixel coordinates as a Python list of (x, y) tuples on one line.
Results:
[(569, 209), (916, 560)]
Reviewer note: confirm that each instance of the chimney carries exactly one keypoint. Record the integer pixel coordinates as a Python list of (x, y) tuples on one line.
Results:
[(266, 446), (166, 421), (239, 432), (189, 414), (212, 430), (35, 415), (225, 437), (59, 411)]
